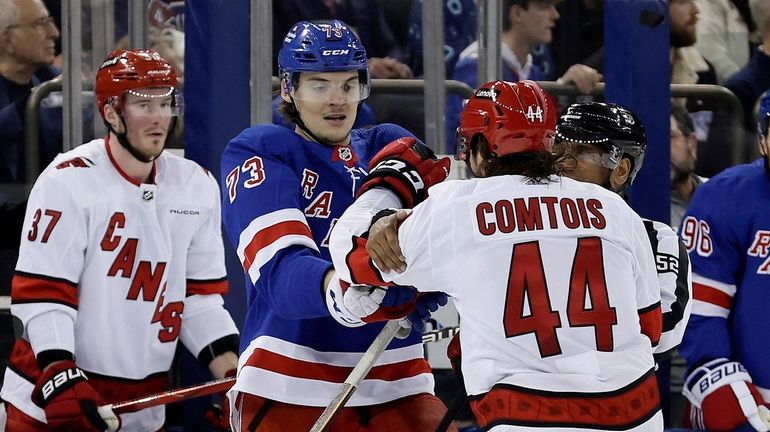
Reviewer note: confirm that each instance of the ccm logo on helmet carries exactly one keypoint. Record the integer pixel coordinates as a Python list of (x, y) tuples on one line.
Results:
[(334, 52)]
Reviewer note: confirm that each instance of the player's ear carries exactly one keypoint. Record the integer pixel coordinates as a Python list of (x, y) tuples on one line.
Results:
[(111, 116), (619, 176)]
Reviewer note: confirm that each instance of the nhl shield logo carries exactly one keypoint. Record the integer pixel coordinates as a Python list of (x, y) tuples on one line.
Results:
[(147, 195), (345, 153)]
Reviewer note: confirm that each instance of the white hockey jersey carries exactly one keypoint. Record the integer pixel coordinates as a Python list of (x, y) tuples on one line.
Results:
[(117, 272), (557, 293)]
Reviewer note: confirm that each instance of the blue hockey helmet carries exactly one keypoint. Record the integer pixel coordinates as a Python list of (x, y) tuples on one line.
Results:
[(322, 47)]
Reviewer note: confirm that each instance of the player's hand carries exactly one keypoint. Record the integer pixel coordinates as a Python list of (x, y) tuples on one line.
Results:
[(408, 168), (218, 417), (382, 244), (723, 398), (584, 77), (389, 68), (69, 401)]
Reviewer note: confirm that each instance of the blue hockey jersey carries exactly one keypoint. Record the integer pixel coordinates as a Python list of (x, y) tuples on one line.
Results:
[(282, 195), (726, 230)]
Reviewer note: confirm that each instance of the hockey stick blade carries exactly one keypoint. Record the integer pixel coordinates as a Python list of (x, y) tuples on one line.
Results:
[(359, 373), (171, 396), (440, 334)]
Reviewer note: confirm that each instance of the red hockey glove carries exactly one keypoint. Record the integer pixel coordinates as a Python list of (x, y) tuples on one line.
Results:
[(69, 401), (408, 168), (723, 398), (219, 417)]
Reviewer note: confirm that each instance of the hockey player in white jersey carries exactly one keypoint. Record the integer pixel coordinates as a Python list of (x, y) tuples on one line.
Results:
[(605, 144), (121, 258), (554, 279)]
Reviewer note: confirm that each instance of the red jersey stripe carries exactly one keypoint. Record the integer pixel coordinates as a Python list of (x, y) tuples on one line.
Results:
[(362, 270), (711, 295), (295, 368), (27, 288), (651, 321), (624, 408), (267, 236), (206, 287)]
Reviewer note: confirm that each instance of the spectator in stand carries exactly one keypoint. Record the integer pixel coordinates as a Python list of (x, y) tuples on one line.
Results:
[(386, 58), (754, 79), (723, 31), (526, 24), (27, 38), (459, 32), (684, 145)]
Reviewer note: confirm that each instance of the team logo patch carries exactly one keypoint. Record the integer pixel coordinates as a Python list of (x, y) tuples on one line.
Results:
[(345, 153)]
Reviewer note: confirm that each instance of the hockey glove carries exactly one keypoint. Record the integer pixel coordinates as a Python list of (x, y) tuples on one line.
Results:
[(69, 401), (723, 398), (427, 303), (408, 168)]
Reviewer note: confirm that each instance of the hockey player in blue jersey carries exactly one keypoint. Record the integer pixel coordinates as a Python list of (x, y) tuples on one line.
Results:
[(283, 191), (726, 230)]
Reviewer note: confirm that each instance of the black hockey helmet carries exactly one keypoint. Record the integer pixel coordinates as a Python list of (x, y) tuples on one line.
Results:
[(608, 125)]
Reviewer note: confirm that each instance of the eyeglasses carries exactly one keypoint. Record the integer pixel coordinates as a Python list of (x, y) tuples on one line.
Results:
[(39, 24)]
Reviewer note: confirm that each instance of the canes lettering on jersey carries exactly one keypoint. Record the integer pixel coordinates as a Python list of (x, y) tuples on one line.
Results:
[(146, 279)]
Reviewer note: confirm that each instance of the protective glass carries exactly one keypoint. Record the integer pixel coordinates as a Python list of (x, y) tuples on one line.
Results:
[(461, 146), (351, 91), (154, 102)]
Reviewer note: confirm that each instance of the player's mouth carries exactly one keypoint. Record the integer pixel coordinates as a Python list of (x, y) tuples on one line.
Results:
[(336, 119)]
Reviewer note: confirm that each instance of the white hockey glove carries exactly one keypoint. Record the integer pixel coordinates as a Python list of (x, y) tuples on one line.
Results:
[(723, 398), (348, 305)]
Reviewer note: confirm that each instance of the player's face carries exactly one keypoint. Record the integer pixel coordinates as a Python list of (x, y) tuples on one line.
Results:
[(582, 162), (536, 22), (327, 103), (682, 152), (684, 16), (147, 113)]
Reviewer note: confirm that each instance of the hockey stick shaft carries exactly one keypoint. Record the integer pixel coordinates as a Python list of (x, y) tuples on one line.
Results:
[(224, 384), (359, 372), (176, 395)]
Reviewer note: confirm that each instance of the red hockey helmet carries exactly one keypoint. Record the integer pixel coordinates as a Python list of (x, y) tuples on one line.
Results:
[(513, 117), (125, 70)]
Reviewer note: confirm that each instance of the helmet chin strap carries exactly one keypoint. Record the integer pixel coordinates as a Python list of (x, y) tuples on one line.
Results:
[(123, 139)]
